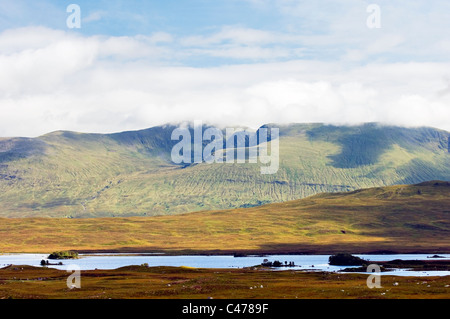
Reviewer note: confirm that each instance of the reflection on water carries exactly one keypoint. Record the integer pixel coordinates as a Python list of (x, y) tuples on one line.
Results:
[(302, 262)]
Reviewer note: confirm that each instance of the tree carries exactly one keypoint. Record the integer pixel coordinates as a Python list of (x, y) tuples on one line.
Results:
[(277, 263)]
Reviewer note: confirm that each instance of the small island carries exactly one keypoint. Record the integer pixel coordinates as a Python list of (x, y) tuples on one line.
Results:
[(276, 264), (436, 256), (63, 255), (47, 263), (344, 259)]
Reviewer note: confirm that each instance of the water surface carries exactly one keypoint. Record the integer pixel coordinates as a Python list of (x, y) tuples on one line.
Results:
[(302, 262)]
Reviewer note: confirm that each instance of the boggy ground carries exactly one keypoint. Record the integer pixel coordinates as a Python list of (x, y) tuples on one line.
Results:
[(138, 282)]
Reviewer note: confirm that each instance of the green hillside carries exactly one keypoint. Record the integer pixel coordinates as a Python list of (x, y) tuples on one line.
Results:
[(67, 174), (401, 218)]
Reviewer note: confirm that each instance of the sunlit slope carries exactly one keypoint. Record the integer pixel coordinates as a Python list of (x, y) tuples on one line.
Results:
[(397, 218), (65, 174)]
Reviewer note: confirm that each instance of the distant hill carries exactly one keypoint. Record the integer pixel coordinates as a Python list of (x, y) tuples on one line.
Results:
[(402, 219), (68, 174)]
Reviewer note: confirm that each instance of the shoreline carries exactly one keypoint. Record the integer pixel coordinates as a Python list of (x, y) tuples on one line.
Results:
[(258, 253), (235, 253), (137, 282), (426, 262)]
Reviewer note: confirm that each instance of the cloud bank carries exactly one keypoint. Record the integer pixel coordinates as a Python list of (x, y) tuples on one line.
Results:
[(305, 71)]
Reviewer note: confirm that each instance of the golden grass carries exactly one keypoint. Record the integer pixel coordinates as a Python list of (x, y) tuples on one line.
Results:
[(136, 282), (397, 218)]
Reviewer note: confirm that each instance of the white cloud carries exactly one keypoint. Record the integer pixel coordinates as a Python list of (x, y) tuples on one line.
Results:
[(53, 80), (237, 35), (94, 16), (413, 31), (241, 43)]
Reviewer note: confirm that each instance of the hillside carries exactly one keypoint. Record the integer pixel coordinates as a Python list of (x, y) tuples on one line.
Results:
[(68, 174), (401, 218)]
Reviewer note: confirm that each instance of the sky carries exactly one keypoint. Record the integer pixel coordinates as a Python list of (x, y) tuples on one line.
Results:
[(136, 64)]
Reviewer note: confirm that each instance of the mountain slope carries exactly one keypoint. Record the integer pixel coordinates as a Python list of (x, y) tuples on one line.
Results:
[(67, 174), (404, 218)]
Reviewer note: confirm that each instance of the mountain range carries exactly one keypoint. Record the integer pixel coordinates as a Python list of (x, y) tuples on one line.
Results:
[(79, 175)]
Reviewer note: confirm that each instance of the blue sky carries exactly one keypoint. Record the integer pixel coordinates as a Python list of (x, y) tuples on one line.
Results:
[(120, 18), (135, 64), (319, 30)]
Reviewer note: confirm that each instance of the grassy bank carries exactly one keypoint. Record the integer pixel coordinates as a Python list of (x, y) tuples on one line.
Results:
[(183, 283)]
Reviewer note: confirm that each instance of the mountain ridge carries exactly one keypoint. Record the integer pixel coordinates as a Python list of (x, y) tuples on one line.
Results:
[(70, 174)]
